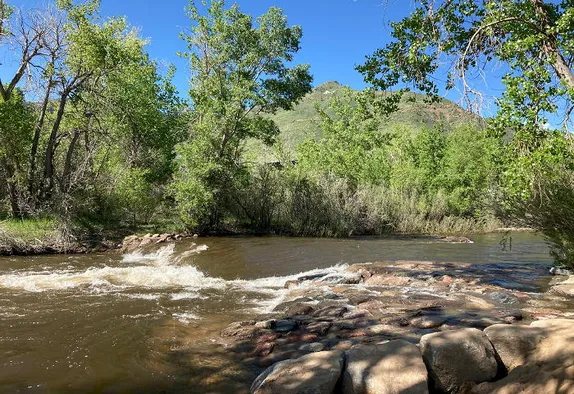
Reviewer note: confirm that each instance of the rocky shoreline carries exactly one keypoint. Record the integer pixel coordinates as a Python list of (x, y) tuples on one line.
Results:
[(424, 310)]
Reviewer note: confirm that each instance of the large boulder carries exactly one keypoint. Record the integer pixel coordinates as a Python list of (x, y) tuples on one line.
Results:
[(514, 344), (315, 373), (391, 368), (546, 368), (457, 359)]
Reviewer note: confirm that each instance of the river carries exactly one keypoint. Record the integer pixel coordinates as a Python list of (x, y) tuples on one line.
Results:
[(145, 322)]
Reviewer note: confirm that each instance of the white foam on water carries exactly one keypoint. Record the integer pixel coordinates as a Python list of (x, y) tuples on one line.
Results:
[(114, 278), (186, 295), (164, 270), (186, 317)]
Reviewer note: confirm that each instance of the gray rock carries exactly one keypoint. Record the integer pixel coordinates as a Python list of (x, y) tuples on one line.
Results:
[(394, 367), (514, 343), (284, 326), (560, 271), (315, 373), (456, 359), (503, 298)]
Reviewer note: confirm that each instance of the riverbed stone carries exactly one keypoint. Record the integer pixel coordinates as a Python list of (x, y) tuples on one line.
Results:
[(459, 358), (565, 288), (284, 325), (394, 367), (315, 373), (299, 309), (332, 311)]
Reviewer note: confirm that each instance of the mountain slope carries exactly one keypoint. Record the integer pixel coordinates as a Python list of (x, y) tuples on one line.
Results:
[(301, 123)]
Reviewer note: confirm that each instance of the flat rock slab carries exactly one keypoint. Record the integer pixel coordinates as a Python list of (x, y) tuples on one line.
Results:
[(457, 359), (315, 373), (395, 367)]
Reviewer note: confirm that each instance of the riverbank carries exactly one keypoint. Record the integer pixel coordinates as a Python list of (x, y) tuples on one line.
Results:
[(376, 303), (47, 236)]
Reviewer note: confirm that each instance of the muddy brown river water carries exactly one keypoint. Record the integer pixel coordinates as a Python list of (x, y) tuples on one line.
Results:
[(145, 322)]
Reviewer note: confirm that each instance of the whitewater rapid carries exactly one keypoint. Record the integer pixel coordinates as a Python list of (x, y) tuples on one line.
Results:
[(150, 275)]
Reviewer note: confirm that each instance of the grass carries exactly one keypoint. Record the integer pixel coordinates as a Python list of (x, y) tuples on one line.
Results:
[(29, 230)]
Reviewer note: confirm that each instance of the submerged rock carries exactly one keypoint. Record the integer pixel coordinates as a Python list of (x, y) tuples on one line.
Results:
[(457, 359), (315, 373), (395, 367)]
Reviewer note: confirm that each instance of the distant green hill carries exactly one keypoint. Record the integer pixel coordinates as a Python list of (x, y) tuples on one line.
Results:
[(301, 123)]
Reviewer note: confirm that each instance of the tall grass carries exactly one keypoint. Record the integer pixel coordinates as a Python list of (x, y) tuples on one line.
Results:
[(325, 206)]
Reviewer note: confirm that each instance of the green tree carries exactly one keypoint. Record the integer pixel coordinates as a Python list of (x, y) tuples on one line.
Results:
[(351, 146), (531, 39), (239, 75)]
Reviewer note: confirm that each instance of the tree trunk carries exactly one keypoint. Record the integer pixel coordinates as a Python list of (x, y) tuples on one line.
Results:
[(65, 185), (51, 147), (35, 142), (550, 47)]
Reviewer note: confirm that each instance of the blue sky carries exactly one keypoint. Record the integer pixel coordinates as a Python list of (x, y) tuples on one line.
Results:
[(338, 34)]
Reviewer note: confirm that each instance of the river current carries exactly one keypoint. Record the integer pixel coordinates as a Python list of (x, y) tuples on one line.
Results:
[(145, 322)]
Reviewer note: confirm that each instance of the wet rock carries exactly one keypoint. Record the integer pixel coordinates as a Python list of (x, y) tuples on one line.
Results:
[(331, 311), (503, 297), (299, 309), (311, 277), (395, 367), (241, 329), (315, 373), (312, 347), (284, 325), (458, 358), (290, 284), (514, 343), (288, 304)]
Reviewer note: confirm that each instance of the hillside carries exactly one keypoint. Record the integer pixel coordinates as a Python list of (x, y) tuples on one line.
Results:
[(301, 123)]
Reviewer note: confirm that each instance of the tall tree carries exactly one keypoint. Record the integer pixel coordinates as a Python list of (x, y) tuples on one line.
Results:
[(239, 74), (532, 42)]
